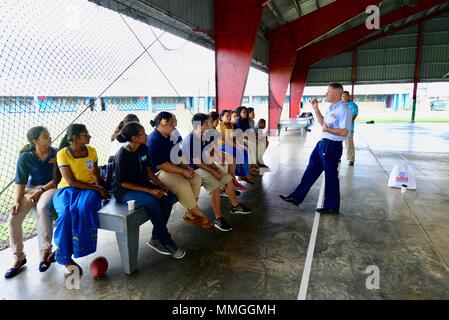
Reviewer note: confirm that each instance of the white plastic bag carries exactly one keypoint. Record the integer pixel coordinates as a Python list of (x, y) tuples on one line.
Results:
[(402, 174)]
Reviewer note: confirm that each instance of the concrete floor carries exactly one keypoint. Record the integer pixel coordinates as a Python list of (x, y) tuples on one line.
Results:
[(406, 237)]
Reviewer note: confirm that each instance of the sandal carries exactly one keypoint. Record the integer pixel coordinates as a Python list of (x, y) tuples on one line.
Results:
[(44, 265), (240, 187), (208, 225), (197, 220), (192, 219), (12, 272)]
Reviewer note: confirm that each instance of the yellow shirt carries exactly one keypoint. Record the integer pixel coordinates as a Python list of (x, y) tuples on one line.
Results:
[(82, 168), (226, 131)]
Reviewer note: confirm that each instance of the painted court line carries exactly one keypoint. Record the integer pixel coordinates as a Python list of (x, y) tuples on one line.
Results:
[(302, 295)]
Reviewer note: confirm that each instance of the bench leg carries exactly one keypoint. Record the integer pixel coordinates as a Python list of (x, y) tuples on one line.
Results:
[(128, 244)]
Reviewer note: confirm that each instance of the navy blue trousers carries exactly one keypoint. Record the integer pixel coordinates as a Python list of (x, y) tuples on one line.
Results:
[(158, 211), (325, 158)]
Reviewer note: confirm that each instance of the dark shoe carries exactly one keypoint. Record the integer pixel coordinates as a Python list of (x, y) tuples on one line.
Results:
[(44, 265), (222, 225), (223, 193), (159, 247), (262, 165), (12, 272), (351, 163), (326, 211), (240, 209), (176, 252), (289, 199)]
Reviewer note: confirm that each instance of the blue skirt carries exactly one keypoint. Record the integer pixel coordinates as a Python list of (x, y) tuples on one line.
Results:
[(77, 223), (242, 169)]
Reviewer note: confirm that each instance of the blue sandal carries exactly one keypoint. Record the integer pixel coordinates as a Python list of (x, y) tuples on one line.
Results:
[(44, 265), (12, 272)]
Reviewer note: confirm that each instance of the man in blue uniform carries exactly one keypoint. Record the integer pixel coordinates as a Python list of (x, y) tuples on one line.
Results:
[(336, 125)]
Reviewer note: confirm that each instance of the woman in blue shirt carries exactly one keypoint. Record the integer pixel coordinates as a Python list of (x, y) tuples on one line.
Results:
[(134, 180), (34, 188), (173, 172)]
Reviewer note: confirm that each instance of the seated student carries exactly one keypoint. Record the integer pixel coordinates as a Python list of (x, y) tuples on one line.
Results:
[(214, 119), (250, 142), (78, 197), (227, 143), (251, 118), (176, 136), (262, 142), (244, 168), (213, 179), (133, 180), (34, 188), (178, 177), (116, 145), (234, 117)]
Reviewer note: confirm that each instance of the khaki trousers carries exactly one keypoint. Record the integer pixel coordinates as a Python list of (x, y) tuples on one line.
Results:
[(44, 212), (186, 190), (350, 150)]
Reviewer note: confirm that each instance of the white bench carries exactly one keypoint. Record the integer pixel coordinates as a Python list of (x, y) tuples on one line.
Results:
[(126, 224), (299, 123)]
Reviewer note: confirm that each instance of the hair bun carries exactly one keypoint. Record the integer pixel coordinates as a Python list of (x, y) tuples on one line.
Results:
[(121, 138), (153, 124)]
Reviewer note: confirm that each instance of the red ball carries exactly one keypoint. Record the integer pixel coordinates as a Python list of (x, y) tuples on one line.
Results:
[(98, 267)]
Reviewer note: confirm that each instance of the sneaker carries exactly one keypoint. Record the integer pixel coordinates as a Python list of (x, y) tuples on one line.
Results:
[(240, 209), (240, 187), (223, 193), (157, 245), (176, 252), (222, 225)]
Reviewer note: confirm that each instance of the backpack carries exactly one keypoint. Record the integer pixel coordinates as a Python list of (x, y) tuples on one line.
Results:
[(107, 174)]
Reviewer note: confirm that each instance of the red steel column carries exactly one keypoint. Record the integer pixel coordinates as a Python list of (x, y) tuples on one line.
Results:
[(297, 84), (281, 60), (417, 77), (354, 72), (236, 27)]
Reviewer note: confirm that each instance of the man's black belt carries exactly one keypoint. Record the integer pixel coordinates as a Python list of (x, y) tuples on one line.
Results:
[(328, 140)]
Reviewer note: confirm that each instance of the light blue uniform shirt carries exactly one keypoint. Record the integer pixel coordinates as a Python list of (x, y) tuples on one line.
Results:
[(338, 116), (355, 111)]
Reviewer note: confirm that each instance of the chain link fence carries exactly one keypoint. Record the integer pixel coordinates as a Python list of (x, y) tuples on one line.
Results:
[(73, 61)]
